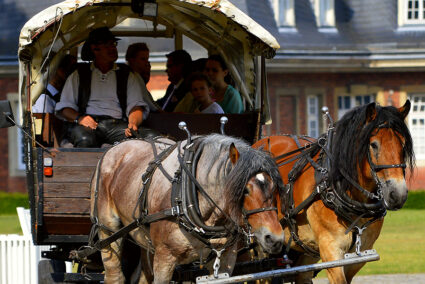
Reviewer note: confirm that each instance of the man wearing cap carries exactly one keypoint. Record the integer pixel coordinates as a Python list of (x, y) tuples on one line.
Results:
[(101, 107)]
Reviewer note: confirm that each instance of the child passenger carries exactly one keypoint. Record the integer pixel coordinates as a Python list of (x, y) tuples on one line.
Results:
[(201, 90)]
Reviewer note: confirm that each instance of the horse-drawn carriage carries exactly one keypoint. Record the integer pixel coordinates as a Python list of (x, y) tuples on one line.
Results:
[(62, 182)]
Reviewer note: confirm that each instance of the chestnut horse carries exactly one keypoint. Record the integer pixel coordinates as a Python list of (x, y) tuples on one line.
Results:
[(236, 186), (347, 179)]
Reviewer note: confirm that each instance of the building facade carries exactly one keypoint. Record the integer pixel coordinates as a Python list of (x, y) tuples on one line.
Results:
[(345, 53)]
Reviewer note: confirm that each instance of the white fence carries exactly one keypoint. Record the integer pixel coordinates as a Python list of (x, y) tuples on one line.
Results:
[(18, 256)]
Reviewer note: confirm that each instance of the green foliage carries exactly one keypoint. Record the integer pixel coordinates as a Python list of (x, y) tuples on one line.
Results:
[(415, 200), (9, 202)]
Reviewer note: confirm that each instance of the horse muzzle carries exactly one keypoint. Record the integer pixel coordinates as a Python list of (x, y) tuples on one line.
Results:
[(395, 194), (271, 243)]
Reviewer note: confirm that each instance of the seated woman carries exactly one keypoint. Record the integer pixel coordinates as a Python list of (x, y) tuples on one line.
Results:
[(201, 89), (224, 94)]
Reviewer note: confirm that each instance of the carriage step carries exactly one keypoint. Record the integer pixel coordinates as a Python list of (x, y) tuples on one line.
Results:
[(362, 253)]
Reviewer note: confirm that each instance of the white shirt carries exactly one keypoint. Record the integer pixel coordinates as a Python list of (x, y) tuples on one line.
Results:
[(213, 108), (103, 98), (44, 103)]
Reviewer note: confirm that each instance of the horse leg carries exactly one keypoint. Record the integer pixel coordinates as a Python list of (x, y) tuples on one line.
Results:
[(306, 277), (332, 251), (143, 270), (111, 258), (163, 265), (370, 235)]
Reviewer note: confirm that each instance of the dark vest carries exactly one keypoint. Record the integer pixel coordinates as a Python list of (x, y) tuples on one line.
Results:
[(84, 72)]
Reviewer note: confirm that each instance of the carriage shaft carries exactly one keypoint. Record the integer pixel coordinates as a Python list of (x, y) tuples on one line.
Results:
[(365, 256)]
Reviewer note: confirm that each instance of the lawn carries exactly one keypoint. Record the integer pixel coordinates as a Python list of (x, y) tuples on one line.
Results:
[(9, 224)]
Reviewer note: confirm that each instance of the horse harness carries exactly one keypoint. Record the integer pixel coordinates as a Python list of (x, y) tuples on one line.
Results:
[(184, 207), (336, 199)]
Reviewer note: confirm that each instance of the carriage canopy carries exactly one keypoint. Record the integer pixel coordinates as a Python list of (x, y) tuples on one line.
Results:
[(216, 25)]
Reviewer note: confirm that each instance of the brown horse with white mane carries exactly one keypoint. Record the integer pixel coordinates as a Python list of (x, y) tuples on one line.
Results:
[(340, 185), (229, 195)]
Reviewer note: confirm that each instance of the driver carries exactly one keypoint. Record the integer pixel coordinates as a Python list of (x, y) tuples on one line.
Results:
[(102, 100)]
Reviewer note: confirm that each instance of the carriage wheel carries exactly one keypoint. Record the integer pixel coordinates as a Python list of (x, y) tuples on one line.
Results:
[(51, 271)]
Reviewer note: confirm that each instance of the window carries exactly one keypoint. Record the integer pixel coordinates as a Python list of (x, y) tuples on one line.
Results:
[(313, 116), (15, 140), (417, 124), (325, 13), (284, 13), (411, 12), (346, 102)]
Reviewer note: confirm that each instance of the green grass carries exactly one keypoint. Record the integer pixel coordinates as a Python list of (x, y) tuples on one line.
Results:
[(9, 224), (9, 202)]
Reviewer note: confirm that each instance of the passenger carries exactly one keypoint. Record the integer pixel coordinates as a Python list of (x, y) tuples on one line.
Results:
[(137, 56), (103, 100), (224, 93), (46, 102), (201, 90), (179, 66)]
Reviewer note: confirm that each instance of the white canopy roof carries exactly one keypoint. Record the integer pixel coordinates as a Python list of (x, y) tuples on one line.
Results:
[(217, 25)]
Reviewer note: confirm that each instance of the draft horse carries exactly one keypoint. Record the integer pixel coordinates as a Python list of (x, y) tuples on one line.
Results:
[(339, 186), (189, 200)]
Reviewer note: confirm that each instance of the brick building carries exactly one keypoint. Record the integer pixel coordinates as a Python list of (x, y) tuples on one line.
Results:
[(344, 53), (338, 53)]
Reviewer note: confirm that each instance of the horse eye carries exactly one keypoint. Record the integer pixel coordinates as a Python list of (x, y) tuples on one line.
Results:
[(374, 145), (246, 191)]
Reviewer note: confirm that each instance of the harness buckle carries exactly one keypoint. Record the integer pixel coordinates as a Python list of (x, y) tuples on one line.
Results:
[(359, 239), (216, 265), (175, 211)]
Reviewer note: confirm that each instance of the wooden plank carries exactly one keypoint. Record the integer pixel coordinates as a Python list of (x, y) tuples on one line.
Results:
[(76, 159), (66, 206), (67, 189), (71, 174), (66, 225)]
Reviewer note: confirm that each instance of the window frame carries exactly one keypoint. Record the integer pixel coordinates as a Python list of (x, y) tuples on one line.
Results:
[(403, 10), (420, 155), (313, 116), (17, 167), (324, 11), (284, 14)]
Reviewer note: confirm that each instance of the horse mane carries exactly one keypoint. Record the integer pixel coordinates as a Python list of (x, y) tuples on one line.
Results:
[(351, 140), (251, 162)]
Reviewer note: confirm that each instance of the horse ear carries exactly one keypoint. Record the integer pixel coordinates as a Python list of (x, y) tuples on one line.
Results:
[(233, 154), (370, 112), (404, 110)]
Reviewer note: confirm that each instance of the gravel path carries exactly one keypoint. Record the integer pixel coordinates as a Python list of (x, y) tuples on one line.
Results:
[(383, 279)]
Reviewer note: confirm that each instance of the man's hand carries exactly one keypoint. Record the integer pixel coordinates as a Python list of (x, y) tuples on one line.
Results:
[(131, 126), (87, 121)]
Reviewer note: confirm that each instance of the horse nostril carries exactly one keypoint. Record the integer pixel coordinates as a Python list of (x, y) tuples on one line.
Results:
[(278, 245), (268, 239)]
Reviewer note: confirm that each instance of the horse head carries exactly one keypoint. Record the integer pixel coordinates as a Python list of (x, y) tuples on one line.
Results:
[(258, 203), (377, 144), (385, 163)]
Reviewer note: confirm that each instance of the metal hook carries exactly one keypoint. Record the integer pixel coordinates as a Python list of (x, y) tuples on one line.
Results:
[(223, 121), (183, 126)]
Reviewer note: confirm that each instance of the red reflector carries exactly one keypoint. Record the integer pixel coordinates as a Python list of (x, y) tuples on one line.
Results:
[(48, 171)]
